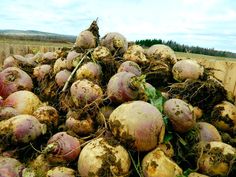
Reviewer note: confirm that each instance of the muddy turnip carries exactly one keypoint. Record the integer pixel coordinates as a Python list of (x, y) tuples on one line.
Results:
[(85, 40), (61, 172), (130, 66), (136, 54), (61, 77), (41, 71), (101, 53)]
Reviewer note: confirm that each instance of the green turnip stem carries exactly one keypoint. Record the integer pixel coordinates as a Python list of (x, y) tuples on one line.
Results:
[(74, 71)]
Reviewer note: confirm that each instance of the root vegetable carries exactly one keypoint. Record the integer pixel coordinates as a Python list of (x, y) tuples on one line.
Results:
[(187, 69), (181, 115), (208, 132), (59, 65), (223, 116), (155, 163), (136, 54), (162, 53), (10, 167), (61, 77), (194, 174), (115, 42), (7, 112), (101, 158), (13, 79), (47, 115), (130, 66), (21, 129), (101, 53), (41, 71), (84, 92), (24, 102), (10, 62), (137, 124), (40, 165), (62, 148), (120, 89), (61, 172), (216, 158), (90, 71), (86, 40), (167, 148)]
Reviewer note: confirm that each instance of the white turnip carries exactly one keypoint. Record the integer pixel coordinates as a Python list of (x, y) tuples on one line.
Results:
[(61, 77), (86, 40), (136, 54), (130, 66), (7, 112), (61, 172), (101, 53), (41, 71), (13, 79), (102, 158), (137, 124), (180, 114)]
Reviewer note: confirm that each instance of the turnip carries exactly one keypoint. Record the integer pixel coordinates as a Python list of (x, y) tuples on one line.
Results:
[(91, 71), (130, 66), (180, 114), (41, 71), (167, 148), (21, 129), (61, 77), (61, 172), (187, 69), (10, 167), (102, 158), (136, 54), (47, 115), (162, 53), (86, 40), (7, 112), (156, 164), (49, 57), (59, 65), (10, 62), (223, 116), (195, 174), (101, 53), (24, 102), (40, 165), (215, 158), (62, 148), (115, 42), (85, 92), (137, 124), (120, 88), (13, 79)]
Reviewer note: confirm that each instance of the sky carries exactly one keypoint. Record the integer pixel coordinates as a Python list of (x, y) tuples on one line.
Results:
[(204, 23)]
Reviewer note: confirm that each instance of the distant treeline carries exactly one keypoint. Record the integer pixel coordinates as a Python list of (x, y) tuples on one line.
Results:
[(185, 48)]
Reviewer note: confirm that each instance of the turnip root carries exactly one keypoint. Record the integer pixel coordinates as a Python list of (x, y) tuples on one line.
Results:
[(62, 148), (187, 69), (162, 53), (90, 71), (137, 124), (41, 71), (115, 42), (21, 129), (156, 164), (10, 62), (223, 116), (7, 112), (101, 53), (47, 115), (86, 40), (59, 65), (136, 54), (10, 167), (61, 77), (24, 102), (130, 66), (85, 92), (181, 115), (216, 158), (167, 148), (40, 165), (194, 174), (120, 89), (101, 158), (61, 172), (13, 79), (208, 132)]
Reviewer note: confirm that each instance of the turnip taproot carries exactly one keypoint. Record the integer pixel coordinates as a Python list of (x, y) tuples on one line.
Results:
[(137, 124), (85, 40), (156, 164), (7, 112), (136, 54), (61, 77), (85, 92), (61, 172), (24, 102), (102, 158), (115, 42), (41, 71), (181, 115), (130, 66), (21, 129), (13, 79), (62, 148), (187, 69), (195, 174), (101, 53), (10, 167)]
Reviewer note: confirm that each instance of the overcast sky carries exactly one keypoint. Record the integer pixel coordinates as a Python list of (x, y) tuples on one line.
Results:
[(205, 23)]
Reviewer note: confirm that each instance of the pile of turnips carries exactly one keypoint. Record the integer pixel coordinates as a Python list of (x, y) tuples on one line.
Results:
[(106, 107)]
